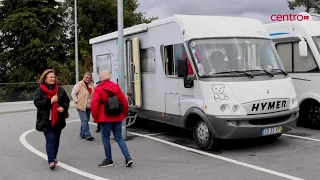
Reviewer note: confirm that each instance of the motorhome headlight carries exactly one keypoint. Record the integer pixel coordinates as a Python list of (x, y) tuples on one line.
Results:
[(222, 107), (234, 108)]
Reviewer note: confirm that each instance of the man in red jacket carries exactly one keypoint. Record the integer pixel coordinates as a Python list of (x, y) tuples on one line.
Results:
[(109, 123)]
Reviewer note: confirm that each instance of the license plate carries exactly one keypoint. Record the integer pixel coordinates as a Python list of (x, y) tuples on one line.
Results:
[(270, 131)]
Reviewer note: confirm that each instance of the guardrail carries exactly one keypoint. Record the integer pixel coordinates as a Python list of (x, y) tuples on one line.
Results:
[(22, 91)]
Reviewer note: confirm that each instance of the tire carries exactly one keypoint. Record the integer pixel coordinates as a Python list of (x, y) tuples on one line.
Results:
[(310, 115), (202, 136)]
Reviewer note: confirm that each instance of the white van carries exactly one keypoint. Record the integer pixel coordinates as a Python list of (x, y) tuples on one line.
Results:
[(298, 44), (220, 77)]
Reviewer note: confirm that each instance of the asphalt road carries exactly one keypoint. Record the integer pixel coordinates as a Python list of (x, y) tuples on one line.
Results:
[(168, 156)]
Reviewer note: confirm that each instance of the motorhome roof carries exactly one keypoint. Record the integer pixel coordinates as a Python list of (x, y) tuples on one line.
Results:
[(311, 27), (199, 25), (288, 23)]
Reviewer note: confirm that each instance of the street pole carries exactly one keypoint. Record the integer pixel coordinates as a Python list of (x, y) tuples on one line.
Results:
[(121, 59), (76, 39)]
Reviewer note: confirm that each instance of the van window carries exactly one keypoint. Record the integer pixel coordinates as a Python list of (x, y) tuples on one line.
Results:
[(148, 60), (296, 63), (172, 53), (104, 63), (285, 53), (169, 60)]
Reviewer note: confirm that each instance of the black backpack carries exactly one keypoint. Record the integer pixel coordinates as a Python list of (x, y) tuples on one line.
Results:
[(112, 107)]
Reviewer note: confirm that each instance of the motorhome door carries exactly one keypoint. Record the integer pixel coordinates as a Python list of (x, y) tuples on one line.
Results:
[(133, 72)]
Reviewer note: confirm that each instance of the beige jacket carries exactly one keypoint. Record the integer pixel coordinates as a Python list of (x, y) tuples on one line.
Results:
[(81, 96)]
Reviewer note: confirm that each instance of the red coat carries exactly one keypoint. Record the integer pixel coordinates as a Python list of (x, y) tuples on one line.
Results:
[(97, 107)]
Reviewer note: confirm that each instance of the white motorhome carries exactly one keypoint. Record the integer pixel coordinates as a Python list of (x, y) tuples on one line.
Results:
[(221, 77), (298, 45)]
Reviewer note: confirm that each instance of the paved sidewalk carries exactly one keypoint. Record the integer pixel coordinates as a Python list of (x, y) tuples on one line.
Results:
[(20, 106)]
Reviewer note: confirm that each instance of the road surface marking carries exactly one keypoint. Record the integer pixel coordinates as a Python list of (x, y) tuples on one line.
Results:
[(215, 156), (301, 137), (155, 134), (61, 164)]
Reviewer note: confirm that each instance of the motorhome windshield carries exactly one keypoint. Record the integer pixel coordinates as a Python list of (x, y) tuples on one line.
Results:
[(316, 40), (235, 56)]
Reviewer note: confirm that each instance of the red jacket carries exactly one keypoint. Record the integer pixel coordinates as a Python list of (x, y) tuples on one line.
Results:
[(100, 96)]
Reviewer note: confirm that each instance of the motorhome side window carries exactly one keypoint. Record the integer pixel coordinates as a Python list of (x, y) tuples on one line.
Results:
[(293, 62), (104, 63), (171, 54), (148, 60)]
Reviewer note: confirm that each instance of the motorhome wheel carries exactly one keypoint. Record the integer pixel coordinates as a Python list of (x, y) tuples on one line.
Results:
[(203, 136), (310, 114)]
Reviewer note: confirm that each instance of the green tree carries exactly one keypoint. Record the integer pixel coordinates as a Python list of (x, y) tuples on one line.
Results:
[(312, 6), (32, 39), (98, 17)]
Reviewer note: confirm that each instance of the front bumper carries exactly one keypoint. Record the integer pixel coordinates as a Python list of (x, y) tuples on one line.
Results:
[(250, 126)]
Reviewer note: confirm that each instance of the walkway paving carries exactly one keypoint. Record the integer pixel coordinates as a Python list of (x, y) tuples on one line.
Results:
[(21, 106)]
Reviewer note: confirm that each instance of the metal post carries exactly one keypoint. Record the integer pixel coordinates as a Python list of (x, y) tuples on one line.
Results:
[(121, 58), (76, 39)]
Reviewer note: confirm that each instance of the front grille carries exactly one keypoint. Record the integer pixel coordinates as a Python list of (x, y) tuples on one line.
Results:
[(267, 121)]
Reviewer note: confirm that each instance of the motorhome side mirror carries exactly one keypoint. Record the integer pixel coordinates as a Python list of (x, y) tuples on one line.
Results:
[(183, 72), (303, 48), (188, 82)]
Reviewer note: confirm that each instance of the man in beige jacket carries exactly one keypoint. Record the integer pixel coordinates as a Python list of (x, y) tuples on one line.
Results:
[(81, 94)]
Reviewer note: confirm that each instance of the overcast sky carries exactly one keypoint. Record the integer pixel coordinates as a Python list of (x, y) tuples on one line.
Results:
[(259, 9)]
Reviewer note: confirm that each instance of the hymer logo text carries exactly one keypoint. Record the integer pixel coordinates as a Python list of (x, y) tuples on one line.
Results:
[(268, 105)]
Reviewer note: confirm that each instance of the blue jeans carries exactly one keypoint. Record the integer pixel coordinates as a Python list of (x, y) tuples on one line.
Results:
[(84, 128), (105, 134), (52, 143)]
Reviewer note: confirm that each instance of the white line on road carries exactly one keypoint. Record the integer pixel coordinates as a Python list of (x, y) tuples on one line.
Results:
[(301, 137), (65, 166), (217, 157), (155, 134)]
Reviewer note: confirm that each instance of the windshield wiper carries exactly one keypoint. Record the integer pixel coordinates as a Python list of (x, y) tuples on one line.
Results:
[(270, 74), (283, 72), (227, 72)]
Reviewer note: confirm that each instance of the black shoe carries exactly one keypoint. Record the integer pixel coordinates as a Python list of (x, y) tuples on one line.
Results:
[(98, 130), (55, 161), (128, 162), (106, 163), (52, 166), (90, 139)]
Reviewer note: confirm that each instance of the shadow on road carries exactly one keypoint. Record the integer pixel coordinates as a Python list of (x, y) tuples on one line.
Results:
[(184, 137)]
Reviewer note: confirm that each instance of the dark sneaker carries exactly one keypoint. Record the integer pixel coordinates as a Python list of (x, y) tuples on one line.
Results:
[(98, 130), (55, 161), (90, 139), (106, 163), (128, 162)]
